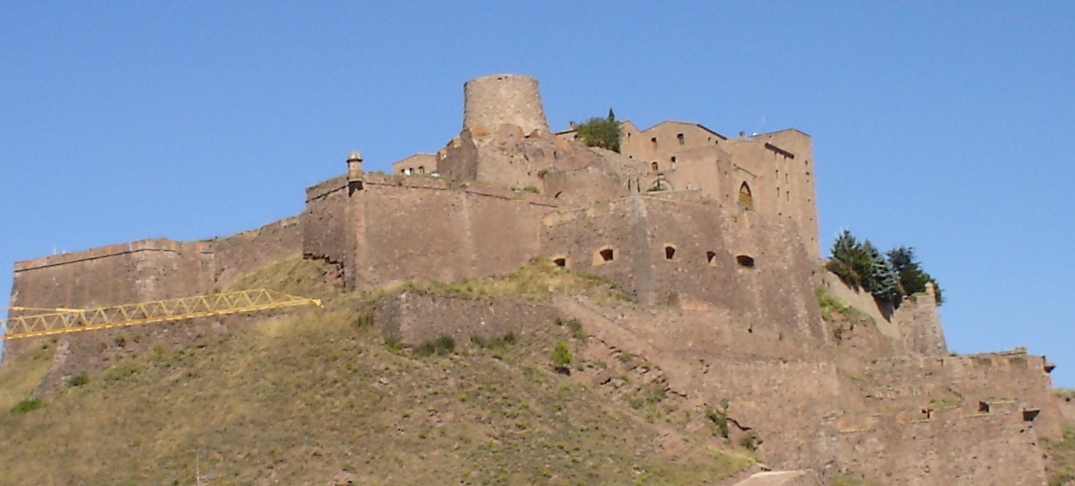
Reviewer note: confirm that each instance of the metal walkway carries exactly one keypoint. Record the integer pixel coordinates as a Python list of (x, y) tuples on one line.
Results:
[(59, 321)]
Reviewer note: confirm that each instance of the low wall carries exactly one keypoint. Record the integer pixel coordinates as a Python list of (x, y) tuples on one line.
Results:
[(415, 319)]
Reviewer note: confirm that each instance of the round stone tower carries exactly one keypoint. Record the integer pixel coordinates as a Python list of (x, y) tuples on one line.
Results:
[(503, 99)]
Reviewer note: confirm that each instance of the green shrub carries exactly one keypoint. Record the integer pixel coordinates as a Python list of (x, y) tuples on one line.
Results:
[(719, 417), (600, 132), (364, 319), (120, 372), (440, 346), (574, 326), (26, 406), (77, 379), (749, 442), (494, 343), (560, 355)]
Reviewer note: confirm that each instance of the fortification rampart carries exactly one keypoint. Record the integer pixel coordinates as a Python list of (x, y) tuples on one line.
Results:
[(665, 250), (946, 447), (146, 270)]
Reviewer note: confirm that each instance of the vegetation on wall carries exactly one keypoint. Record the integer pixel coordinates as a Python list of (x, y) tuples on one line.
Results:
[(600, 132), (887, 276)]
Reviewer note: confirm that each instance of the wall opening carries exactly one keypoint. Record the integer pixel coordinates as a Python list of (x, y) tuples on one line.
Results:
[(669, 252), (746, 199), (983, 407), (681, 138), (655, 167), (745, 261), (711, 257), (560, 262), (653, 142), (421, 169), (1029, 414), (603, 256)]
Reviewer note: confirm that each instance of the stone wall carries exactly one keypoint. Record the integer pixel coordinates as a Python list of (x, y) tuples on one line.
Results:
[(114, 274), (409, 228), (946, 448), (664, 251), (146, 270), (414, 319), (326, 228), (920, 325), (247, 251), (905, 381)]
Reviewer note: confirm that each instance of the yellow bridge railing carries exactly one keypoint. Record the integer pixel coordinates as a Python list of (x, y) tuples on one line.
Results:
[(60, 321)]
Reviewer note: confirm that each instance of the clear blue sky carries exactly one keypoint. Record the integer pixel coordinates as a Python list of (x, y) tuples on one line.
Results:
[(947, 126)]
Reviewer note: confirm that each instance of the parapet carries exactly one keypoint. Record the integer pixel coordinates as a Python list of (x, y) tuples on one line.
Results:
[(503, 99)]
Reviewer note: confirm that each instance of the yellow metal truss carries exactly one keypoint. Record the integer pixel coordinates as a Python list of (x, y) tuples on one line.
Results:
[(60, 321)]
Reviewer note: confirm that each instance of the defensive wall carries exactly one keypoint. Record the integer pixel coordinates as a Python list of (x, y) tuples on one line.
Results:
[(415, 228), (153, 269), (945, 447)]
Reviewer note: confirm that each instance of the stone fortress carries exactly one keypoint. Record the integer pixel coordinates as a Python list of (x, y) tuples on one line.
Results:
[(715, 238)]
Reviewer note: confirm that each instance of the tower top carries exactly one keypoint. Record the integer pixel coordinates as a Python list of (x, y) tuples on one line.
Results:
[(503, 99)]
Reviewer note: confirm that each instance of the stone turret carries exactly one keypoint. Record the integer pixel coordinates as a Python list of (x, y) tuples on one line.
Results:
[(502, 99), (354, 166)]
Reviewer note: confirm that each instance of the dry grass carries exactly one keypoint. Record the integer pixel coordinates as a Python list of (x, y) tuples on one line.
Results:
[(19, 378), (1061, 458), (293, 399)]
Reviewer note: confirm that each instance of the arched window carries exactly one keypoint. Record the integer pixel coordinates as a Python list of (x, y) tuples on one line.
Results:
[(746, 200), (655, 167)]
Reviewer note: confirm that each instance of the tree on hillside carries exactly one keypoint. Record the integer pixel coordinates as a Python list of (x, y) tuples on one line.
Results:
[(913, 279), (861, 266), (600, 132)]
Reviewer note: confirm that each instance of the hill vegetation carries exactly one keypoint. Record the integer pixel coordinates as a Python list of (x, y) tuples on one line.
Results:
[(298, 397)]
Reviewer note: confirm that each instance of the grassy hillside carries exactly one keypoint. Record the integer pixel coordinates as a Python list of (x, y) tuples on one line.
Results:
[(296, 398)]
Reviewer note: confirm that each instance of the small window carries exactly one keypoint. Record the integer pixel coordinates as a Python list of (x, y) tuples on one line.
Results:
[(655, 167), (653, 142), (560, 262), (607, 254), (669, 252), (673, 159), (983, 407), (745, 261), (746, 199), (421, 169), (711, 257), (681, 138), (1030, 414)]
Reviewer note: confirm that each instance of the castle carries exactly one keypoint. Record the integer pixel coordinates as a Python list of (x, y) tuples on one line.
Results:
[(716, 239)]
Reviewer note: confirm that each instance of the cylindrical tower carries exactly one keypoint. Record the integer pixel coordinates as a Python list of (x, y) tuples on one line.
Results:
[(503, 99)]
